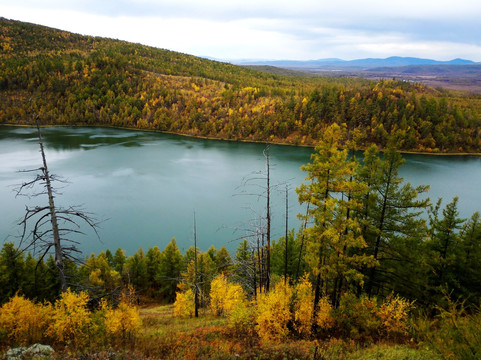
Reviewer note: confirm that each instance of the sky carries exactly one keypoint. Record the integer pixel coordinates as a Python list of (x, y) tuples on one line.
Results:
[(272, 29)]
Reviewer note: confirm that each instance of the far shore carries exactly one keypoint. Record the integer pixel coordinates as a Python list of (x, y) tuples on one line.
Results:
[(239, 140)]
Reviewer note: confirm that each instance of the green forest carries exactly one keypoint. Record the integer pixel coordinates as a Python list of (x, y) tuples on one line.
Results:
[(373, 272), (80, 80)]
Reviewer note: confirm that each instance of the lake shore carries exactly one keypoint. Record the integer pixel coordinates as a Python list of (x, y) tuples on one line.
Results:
[(475, 154)]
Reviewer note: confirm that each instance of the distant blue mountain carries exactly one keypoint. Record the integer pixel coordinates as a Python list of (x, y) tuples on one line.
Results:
[(393, 61)]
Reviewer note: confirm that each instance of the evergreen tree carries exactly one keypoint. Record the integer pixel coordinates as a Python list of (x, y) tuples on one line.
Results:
[(223, 261), (278, 256), (11, 271), (390, 218), (119, 260), (469, 265), (153, 261), (445, 247), (244, 271), (170, 269), (135, 270)]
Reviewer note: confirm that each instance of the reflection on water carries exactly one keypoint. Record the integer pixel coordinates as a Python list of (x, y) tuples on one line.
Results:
[(148, 184)]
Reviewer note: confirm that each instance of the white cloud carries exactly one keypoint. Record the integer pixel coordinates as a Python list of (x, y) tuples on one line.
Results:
[(305, 29)]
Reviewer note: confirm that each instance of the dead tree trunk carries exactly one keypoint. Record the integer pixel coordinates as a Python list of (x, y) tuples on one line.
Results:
[(51, 224), (287, 235), (268, 220), (196, 285), (53, 215)]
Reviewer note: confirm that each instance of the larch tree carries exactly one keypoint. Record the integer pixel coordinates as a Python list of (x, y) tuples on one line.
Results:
[(469, 265), (335, 235), (390, 214), (169, 274), (445, 248)]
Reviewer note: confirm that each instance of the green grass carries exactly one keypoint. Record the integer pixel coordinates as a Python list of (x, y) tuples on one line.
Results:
[(394, 352), (208, 337)]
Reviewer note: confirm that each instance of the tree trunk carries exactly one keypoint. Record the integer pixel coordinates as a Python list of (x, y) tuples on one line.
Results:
[(53, 215)]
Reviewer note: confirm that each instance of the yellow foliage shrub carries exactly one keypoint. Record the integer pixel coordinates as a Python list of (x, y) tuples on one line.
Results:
[(273, 313), (394, 315), (184, 304), (324, 317), (124, 321), (304, 307), (70, 318), (241, 317), (24, 321), (224, 295)]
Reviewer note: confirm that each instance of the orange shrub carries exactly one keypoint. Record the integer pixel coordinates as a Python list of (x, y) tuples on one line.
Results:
[(24, 321)]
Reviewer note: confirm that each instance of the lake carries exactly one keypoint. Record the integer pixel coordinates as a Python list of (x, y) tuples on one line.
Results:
[(146, 186)]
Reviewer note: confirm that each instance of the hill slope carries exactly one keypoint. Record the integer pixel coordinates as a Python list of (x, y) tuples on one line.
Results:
[(80, 80)]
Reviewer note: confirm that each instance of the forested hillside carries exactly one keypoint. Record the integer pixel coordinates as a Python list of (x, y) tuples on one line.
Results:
[(81, 80)]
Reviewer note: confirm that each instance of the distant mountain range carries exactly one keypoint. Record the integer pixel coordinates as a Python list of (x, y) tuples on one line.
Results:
[(359, 64)]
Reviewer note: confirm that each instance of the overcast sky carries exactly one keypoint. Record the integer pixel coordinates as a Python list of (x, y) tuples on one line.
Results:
[(272, 29)]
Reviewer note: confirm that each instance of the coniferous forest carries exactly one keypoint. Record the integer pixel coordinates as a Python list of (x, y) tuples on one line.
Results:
[(374, 270)]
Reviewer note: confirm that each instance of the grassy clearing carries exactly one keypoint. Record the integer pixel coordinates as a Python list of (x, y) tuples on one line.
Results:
[(208, 337)]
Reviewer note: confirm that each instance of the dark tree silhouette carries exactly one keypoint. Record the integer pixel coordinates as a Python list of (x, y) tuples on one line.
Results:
[(49, 226)]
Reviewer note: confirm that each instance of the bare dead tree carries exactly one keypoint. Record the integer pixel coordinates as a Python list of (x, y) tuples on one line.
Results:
[(286, 257), (261, 180), (196, 287), (51, 224), (268, 218), (304, 226)]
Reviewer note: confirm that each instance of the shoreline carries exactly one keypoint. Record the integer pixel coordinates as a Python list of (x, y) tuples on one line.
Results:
[(408, 152)]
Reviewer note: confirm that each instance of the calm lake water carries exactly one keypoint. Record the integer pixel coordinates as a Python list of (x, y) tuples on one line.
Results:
[(146, 186)]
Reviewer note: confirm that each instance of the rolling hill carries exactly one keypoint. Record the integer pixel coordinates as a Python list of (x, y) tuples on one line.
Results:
[(77, 80)]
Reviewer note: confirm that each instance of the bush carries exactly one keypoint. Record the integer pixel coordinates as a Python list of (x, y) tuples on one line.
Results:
[(454, 334), (23, 321), (184, 304), (393, 313), (71, 319), (273, 313), (123, 322), (303, 307), (324, 319), (224, 296), (241, 317), (357, 318)]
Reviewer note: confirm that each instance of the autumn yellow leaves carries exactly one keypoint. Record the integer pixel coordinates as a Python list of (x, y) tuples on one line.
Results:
[(69, 321), (288, 311)]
